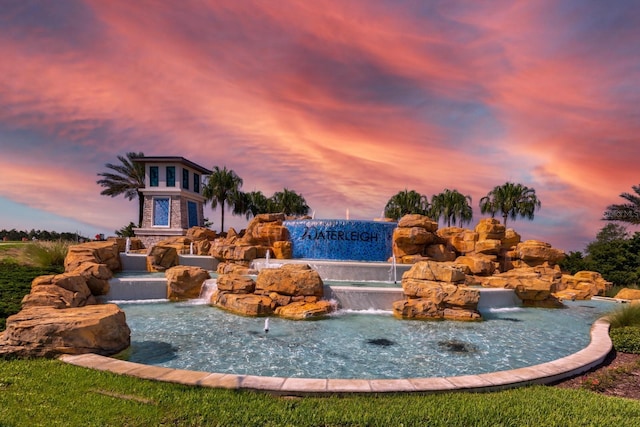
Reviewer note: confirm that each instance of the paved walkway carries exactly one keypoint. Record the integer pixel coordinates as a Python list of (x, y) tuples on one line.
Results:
[(591, 356)]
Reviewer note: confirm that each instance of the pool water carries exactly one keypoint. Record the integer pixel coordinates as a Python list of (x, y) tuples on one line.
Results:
[(195, 336)]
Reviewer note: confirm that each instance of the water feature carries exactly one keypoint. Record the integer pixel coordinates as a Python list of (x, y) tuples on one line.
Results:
[(335, 239), (350, 344)]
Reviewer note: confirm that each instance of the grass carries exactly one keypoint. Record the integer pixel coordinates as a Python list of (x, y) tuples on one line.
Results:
[(15, 283), (47, 254), (626, 315), (51, 393)]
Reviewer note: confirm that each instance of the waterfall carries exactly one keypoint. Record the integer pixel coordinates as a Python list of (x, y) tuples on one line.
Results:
[(208, 288)]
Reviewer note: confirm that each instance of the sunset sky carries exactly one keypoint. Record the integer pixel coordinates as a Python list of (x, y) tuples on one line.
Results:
[(345, 102)]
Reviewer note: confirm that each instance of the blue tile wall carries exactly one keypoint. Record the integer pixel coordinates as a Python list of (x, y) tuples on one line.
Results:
[(346, 240)]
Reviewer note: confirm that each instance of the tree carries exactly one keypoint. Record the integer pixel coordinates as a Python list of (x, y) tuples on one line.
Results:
[(223, 186), (626, 212), (127, 178), (512, 201), (451, 205), (406, 202), (288, 202), (255, 203), (126, 231)]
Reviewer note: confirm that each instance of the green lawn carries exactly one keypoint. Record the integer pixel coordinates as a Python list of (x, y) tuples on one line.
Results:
[(51, 393)]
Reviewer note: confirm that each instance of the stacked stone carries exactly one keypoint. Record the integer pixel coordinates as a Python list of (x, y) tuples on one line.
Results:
[(582, 285), (60, 315), (185, 282), (436, 290), (535, 286), (292, 291), (265, 233)]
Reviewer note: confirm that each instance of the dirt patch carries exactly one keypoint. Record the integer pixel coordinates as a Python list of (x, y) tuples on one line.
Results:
[(619, 376)]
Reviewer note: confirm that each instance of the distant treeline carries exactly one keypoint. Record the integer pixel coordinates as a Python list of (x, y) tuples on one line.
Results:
[(15, 235)]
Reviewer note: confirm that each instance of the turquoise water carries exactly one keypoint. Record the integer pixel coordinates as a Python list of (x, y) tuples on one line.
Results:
[(355, 344)]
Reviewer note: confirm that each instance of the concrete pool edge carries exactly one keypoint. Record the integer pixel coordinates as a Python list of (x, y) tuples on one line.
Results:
[(546, 373)]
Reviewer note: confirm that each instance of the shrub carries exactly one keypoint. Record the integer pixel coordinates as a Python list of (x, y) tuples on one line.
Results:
[(626, 339), (48, 254), (628, 315)]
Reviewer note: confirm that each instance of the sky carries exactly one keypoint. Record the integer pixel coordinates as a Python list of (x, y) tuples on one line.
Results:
[(346, 102)]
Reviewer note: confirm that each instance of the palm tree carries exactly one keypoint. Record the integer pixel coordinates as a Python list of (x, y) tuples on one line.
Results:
[(127, 178), (512, 200), (251, 204), (288, 202), (626, 212), (223, 186), (406, 202), (451, 205)]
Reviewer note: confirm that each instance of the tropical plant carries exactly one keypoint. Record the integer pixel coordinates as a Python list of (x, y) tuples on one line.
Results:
[(126, 231), (451, 205), (511, 201), (222, 187), (406, 202), (127, 178), (251, 204), (288, 202), (626, 212)]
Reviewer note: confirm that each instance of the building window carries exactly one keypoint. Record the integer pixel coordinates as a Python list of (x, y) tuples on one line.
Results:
[(161, 212), (185, 179), (171, 176), (154, 176), (196, 183), (192, 209)]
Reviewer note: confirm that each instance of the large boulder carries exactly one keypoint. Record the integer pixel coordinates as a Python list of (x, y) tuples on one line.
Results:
[(104, 252), (480, 265), (65, 290), (185, 282), (535, 286), (440, 253), (488, 246), (290, 279), (49, 332), (628, 293), (435, 271), (411, 240), (534, 253), (582, 286), (460, 239), (490, 228), (435, 290), (196, 234), (301, 310), (161, 257), (282, 249), (244, 304), (236, 284), (96, 275), (511, 239), (416, 220)]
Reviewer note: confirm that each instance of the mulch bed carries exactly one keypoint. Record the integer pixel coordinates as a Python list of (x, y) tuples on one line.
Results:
[(619, 376)]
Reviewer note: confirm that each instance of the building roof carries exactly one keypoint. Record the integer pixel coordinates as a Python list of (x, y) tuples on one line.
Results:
[(173, 159)]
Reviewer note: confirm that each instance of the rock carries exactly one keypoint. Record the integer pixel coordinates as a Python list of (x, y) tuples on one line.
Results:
[(96, 275), (304, 310), (161, 258), (422, 309), (135, 244), (534, 252), (415, 220), (440, 253), (182, 244), (490, 228), (480, 265), (511, 239), (185, 282), (233, 252), (282, 250), (411, 259), (265, 233), (628, 293), (197, 234), (58, 291), (245, 304), (105, 252), (410, 241), (236, 284), (290, 279), (201, 247), (582, 286), (460, 239), (233, 268), (435, 271), (488, 247), (442, 293), (49, 332), (535, 286)]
